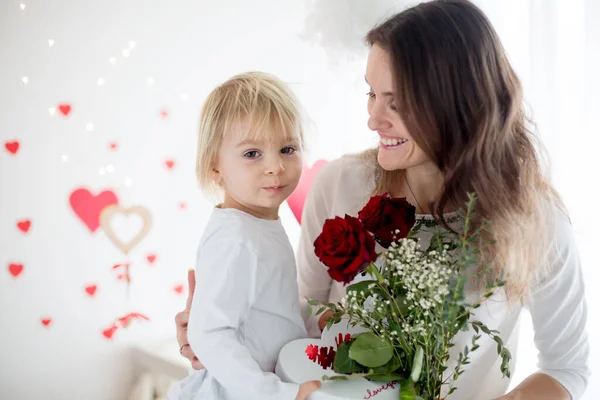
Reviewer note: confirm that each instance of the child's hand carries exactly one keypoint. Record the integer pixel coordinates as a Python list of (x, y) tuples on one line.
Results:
[(325, 319), (307, 388), (181, 321)]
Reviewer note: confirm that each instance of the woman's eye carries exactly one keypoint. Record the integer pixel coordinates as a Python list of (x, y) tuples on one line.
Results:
[(393, 107), (370, 94), (251, 154), (288, 150)]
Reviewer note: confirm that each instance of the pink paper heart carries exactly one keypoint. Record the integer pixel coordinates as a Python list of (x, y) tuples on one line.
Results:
[(15, 269), (91, 290), (298, 197), (12, 147), (65, 109), (88, 206), (24, 225)]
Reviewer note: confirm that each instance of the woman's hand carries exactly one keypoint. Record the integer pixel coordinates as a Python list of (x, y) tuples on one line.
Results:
[(324, 319), (181, 321), (307, 388), (538, 386)]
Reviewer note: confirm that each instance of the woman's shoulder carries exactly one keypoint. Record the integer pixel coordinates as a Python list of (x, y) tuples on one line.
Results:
[(343, 185), (562, 256), (356, 169)]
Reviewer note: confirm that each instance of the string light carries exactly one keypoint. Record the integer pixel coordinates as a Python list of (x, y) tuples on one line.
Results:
[(127, 181), (23, 6), (89, 126), (25, 80), (64, 157), (101, 171), (185, 96), (50, 42), (52, 111), (112, 60), (150, 81), (125, 53), (110, 169), (132, 44), (100, 82)]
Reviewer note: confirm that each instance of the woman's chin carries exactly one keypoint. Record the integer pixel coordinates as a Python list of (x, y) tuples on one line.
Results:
[(390, 164)]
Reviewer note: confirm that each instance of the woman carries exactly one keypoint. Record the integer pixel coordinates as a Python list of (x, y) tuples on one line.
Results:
[(448, 108)]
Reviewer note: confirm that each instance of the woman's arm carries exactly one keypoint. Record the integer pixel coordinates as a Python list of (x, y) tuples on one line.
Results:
[(559, 313), (313, 280)]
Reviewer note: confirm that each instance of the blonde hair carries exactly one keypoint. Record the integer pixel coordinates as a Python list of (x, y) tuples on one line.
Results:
[(463, 105), (259, 99)]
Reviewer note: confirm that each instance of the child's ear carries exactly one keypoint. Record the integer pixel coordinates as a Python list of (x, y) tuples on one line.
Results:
[(216, 176)]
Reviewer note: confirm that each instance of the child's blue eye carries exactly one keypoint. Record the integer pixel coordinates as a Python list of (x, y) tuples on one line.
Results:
[(251, 154), (288, 150)]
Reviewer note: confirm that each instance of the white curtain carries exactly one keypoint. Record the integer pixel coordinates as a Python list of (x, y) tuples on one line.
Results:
[(554, 46)]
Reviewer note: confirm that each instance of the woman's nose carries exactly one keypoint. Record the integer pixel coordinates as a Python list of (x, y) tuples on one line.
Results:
[(377, 118)]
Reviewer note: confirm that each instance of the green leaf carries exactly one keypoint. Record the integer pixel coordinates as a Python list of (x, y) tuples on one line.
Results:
[(387, 368), (360, 286), (417, 365), (335, 378), (342, 363), (384, 377), (402, 307), (401, 335), (456, 295), (370, 350), (312, 302), (343, 377), (407, 390)]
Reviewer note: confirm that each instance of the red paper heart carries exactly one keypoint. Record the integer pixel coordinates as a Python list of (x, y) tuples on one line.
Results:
[(170, 164), (91, 290), (88, 207), (113, 145), (182, 205), (65, 109), (298, 197), (178, 289), (109, 332), (46, 321), (12, 147), (15, 269), (24, 225), (164, 113), (151, 258)]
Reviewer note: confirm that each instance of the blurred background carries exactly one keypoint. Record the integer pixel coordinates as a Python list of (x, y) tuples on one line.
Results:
[(99, 102)]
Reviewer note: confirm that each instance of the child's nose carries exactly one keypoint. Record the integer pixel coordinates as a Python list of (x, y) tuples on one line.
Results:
[(275, 166)]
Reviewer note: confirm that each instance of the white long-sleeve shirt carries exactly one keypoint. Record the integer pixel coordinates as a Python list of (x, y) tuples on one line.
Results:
[(557, 306), (245, 309)]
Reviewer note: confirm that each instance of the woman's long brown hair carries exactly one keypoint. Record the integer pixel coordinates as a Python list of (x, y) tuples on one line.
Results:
[(463, 105)]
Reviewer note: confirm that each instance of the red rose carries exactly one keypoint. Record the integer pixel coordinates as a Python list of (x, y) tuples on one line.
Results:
[(345, 247), (383, 215)]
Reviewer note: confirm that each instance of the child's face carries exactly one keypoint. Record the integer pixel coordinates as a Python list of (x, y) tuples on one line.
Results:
[(257, 176)]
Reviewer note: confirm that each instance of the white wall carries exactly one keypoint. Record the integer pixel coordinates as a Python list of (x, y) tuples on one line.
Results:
[(186, 48)]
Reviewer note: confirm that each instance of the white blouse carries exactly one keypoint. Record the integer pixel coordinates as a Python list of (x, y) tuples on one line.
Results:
[(245, 309), (557, 306)]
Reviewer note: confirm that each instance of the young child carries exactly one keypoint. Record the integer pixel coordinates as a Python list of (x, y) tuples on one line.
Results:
[(246, 306)]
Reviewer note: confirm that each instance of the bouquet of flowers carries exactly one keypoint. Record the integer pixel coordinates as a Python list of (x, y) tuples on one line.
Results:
[(413, 305)]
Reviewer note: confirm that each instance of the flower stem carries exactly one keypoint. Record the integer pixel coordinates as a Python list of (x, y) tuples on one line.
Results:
[(372, 269)]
